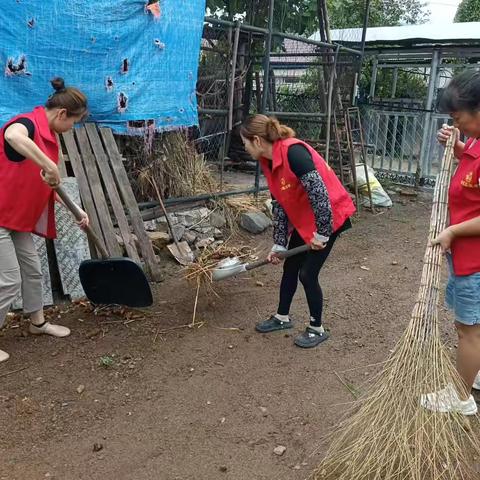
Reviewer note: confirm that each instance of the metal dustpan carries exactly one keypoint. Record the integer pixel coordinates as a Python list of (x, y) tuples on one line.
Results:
[(231, 266), (109, 281)]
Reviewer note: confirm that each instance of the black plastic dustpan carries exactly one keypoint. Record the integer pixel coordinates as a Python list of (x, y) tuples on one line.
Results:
[(110, 281)]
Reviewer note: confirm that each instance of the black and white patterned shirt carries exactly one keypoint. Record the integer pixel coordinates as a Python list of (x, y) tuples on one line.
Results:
[(302, 165)]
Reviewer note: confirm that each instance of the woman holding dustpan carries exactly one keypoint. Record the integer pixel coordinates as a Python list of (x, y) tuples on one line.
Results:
[(311, 207), (28, 177)]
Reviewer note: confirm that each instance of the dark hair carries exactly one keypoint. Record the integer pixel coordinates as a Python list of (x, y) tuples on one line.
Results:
[(462, 94), (268, 128), (69, 98)]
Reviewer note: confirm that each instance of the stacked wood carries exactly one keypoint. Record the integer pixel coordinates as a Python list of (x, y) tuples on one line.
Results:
[(107, 195)]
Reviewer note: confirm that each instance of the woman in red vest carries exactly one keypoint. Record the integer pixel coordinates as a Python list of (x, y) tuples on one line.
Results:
[(461, 241), (310, 206), (28, 176)]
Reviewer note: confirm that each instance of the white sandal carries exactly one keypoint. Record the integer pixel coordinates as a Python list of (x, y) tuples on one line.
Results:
[(47, 328), (4, 356)]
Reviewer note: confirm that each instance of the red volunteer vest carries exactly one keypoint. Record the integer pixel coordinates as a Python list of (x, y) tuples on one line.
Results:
[(26, 202), (464, 204), (290, 194)]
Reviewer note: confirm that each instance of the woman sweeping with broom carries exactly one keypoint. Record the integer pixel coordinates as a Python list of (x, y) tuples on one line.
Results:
[(28, 174), (461, 241), (310, 207)]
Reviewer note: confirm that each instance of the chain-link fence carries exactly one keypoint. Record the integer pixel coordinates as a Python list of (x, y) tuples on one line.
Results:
[(248, 69), (400, 116), (247, 66), (212, 91)]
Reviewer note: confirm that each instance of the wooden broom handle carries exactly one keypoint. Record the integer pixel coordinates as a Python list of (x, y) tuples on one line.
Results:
[(78, 215), (282, 255)]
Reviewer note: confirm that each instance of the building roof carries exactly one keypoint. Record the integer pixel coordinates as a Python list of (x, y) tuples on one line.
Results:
[(411, 35)]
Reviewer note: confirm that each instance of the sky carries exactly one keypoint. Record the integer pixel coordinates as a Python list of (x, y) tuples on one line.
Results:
[(442, 11)]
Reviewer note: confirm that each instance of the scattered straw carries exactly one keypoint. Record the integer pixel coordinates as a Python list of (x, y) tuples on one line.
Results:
[(13, 372), (200, 272), (247, 203)]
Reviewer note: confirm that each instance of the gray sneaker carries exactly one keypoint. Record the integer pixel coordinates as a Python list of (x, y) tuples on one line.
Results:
[(272, 325), (311, 338)]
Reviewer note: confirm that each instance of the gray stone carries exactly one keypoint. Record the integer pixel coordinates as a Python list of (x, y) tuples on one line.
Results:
[(190, 237), (280, 450), (162, 227), (254, 222), (178, 231), (204, 230), (205, 242), (192, 217), (186, 219), (269, 208), (163, 221), (159, 239), (217, 234), (150, 226), (217, 220), (217, 244)]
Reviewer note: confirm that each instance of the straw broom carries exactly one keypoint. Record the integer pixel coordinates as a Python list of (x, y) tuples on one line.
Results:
[(390, 436)]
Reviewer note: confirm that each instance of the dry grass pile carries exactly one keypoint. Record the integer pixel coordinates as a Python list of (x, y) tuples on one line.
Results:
[(199, 273), (176, 166)]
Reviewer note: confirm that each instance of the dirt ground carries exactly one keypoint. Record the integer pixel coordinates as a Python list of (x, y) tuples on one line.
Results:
[(165, 402)]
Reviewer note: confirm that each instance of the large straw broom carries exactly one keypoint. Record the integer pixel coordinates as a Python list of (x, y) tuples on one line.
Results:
[(390, 436)]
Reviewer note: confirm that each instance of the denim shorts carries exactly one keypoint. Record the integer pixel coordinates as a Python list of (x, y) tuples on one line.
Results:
[(463, 296)]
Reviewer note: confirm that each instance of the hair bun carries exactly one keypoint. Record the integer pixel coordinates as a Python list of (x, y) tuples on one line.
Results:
[(58, 84)]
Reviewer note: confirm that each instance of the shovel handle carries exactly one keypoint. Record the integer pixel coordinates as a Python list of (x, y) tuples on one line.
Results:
[(78, 215), (282, 255)]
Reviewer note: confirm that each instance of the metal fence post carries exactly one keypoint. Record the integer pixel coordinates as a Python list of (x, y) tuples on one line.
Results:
[(394, 82), (425, 148), (266, 77), (373, 82)]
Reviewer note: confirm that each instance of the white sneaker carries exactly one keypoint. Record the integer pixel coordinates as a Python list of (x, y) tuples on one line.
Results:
[(447, 400), (50, 329), (476, 383), (4, 356)]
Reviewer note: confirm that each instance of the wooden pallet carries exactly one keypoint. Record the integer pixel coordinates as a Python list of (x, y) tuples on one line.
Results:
[(105, 190)]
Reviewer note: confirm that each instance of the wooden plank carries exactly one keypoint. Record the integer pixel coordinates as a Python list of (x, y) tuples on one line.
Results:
[(80, 175), (109, 182), (98, 195), (120, 173)]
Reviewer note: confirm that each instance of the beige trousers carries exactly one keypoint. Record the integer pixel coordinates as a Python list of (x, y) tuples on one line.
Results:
[(20, 270)]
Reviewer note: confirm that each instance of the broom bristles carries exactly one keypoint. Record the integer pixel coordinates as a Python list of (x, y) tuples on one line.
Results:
[(389, 436)]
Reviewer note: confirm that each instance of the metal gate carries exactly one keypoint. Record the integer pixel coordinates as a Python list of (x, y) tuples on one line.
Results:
[(398, 148)]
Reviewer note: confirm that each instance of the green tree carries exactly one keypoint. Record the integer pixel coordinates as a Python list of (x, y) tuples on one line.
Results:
[(292, 16), (300, 16), (383, 13), (468, 11)]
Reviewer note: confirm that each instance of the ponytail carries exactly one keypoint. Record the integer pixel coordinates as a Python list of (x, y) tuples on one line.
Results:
[(268, 128)]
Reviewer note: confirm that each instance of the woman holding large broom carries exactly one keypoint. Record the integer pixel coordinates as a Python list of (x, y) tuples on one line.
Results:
[(310, 207), (461, 240)]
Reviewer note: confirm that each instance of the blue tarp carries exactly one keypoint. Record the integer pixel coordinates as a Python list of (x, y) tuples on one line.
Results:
[(116, 51)]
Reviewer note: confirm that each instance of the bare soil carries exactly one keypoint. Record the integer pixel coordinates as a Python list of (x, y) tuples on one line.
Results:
[(163, 401)]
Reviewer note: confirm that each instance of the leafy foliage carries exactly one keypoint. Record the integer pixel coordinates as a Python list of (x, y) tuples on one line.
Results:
[(468, 11)]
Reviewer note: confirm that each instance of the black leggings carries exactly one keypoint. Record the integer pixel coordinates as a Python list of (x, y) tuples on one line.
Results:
[(306, 267)]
